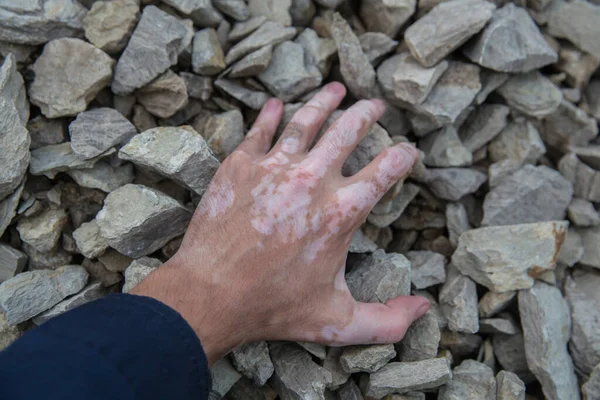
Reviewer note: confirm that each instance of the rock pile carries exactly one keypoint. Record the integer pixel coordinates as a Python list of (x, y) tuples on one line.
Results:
[(115, 115)]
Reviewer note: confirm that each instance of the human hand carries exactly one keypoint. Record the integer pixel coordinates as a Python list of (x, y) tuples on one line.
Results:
[(264, 255)]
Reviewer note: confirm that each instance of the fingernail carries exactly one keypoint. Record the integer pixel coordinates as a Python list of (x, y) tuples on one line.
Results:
[(380, 103), (335, 87), (411, 152), (272, 104), (423, 308)]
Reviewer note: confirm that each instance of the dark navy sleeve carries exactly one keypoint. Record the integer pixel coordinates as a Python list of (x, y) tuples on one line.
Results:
[(119, 347)]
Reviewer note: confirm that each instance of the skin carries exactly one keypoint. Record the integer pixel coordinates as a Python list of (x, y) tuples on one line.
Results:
[(264, 255)]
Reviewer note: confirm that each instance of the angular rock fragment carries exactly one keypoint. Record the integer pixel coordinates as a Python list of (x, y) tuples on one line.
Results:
[(510, 352), (95, 131), (588, 154), (578, 66), (137, 220), (582, 213), (413, 82), (251, 98), (350, 391), (207, 54), (454, 183), (253, 360), (470, 380), (142, 119), (568, 126), (317, 51), (103, 176), (446, 27), (242, 29), (505, 258), (227, 132), (490, 81), (572, 249), (374, 142), (269, 33), (532, 194), (546, 326), (91, 292), (198, 87), (44, 132), (68, 75), (164, 96), (386, 16), (458, 301), (578, 22), (368, 358), (50, 287), (89, 241), (444, 149), (50, 160), (460, 344), (457, 221), (518, 141), (45, 260), (236, 9), (376, 45), (591, 102), (532, 94), (591, 389), (511, 42), (421, 340), (361, 244), (114, 261), (316, 349), (201, 12), (109, 24), (148, 54), (380, 277), (492, 303), (427, 268), (483, 125), (407, 193), (332, 364), (274, 10), (355, 66), (502, 324), (585, 180), (252, 64), (224, 376), (12, 262), (591, 252), (138, 270), (178, 153), (42, 231), (402, 377), (509, 386), (244, 389)]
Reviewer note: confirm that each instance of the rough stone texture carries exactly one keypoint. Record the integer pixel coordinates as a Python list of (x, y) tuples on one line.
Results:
[(109, 24), (510, 352), (224, 376), (483, 125), (42, 231), (402, 377), (332, 364), (492, 303), (350, 391), (138, 270), (457, 221), (413, 82), (470, 380), (148, 54), (503, 324), (355, 66), (12, 262), (585, 180), (591, 252), (458, 301), (509, 386), (376, 45), (591, 389), (582, 213), (546, 326), (446, 27), (242, 29), (253, 360), (572, 249), (201, 12), (444, 149), (68, 75), (8, 334), (50, 160), (249, 97), (269, 33), (454, 183), (505, 258), (44, 132), (396, 207), (31, 293), (45, 260), (589, 154), (578, 66), (511, 42), (568, 126), (226, 132), (532, 94), (91, 292), (421, 340), (89, 241), (518, 141), (591, 99), (236, 9), (490, 81), (178, 153), (386, 16), (380, 277), (95, 131), (164, 96), (137, 220), (368, 358), (37, 22), (428, 268), (252, 64), (274, 10), (374, 142), (578, 22), (103, 176), (207, 54), (317, 51), (532, 194)]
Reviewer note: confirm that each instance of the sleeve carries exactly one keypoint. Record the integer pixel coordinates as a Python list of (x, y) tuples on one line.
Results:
[(119, 347)]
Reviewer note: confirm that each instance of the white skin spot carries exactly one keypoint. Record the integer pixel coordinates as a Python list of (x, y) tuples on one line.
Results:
[(290, 145), (276, 160), (217, 199)]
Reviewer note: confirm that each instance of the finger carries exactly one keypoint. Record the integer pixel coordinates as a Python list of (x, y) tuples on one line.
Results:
[(258, 139), (342, 137), (306, 122)]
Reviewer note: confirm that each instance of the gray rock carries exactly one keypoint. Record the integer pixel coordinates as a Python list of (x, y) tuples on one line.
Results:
[(492, 303), (577, 66), (302, 12), (443, 148), (591, 252), (252, 64), (457, 221), (578, 22), (50, 160), (89, 241), (454, 183), (95, 131), (585, 180), (198, 87), (518, 141), (244, 389), (445, 28), (109, 24), (374, 142), (458, 301), (251, 98), (316, 349), (386, 16), (103, 176), (164, 96), (274, 10), (546, 326), (207, 55), (501, 169), (511, 42), (115, 261), (269, 33), (588, 154), (332, 364), (490, 81), (350, 391), (329, 3), (361, 244), (397, 206), (224, 376), (253, 360), (12, 262), (505, 258), (138, 270), (591, 389), (572, 248), (503, 324), (483, 125), (31, 293), (591, 99), (355, 66), (368, 358), (242, 29), (376, 45), (582, 213), (142, 119), (147, 54), (461, 345), (380, 277), (201, 12), (236, 9), (510, 352), (317, 51), (532, 194), (470, 380), (44, 132), (412, 82), (43, 230), (402, 377), (227, 132), (178, 153), (38, 22), (510, 386), (385, 75), (568, 125), (14, 138), (137, 220), (421, 340), (8, 334), (416, 218), (45, 260), (532, 94), (91, 292), (428, 268), (296, 375)]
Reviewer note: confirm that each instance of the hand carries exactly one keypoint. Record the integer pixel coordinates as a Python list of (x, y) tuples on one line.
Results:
[(264, 255)]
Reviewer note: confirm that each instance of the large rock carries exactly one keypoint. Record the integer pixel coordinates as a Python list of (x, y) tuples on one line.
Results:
[(454, 183), (137, 220), (510, 353), (428, 268), (178, 153), (413, 82), (236, 9), (532, 194), (546, 327), (317, 51), (68, 75), (109, 24), (421, 340), (91, 292), (579, 22), (583, 213), (152, 49), (269, 33), (386, 16), (368, 358), (50, 160), (470, 380), (31, 293), (37, 22), (14, 137), (511, 42), (532, 94), (43, 230), (483, 125), (12, 262), (505, 258), (164, 96), (458, 302), (89, 241), (207, 55), (446, 27), (253, 360)]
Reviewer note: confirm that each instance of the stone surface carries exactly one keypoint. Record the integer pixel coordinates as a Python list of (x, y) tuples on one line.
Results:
[(577, 22), (457, 221), (572, 249), (546, 326), (375, 141), (582, 213), (269, 33), (505, 258), (252, 64), (68, 75), (223, 377), (483, 125), (568, 126), (591, 389), (95, 131), (43, 230), (50, 160), (446, 27), (386, 16), (413, 82), (518, 141), (44, 132), (458, 301), (274, 10), (511, 42), (236, 9), (577, 66), (89, 241), (591, 252), (201, 12), (444, 148), (532, 94), (492, 303), (368, 358), (503, 324), (350, 391), (251, 98), (242, 29), (399, 203), (253, 360), (207, 54), (585, 180), (12, 262), (138, 270), (428, 268), (404, 377), (317, 51), (470, 380), (164, 96), (454, 183), (510, 352), (109, 24), (421, 340), (490, 81), (332, 364), (91, 292), (178, 153), (147, 54), (226, 132), (31, 293), (509, 386), (137, 220), (460, 344), (103, 176), (376, 45), (591, 98)]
